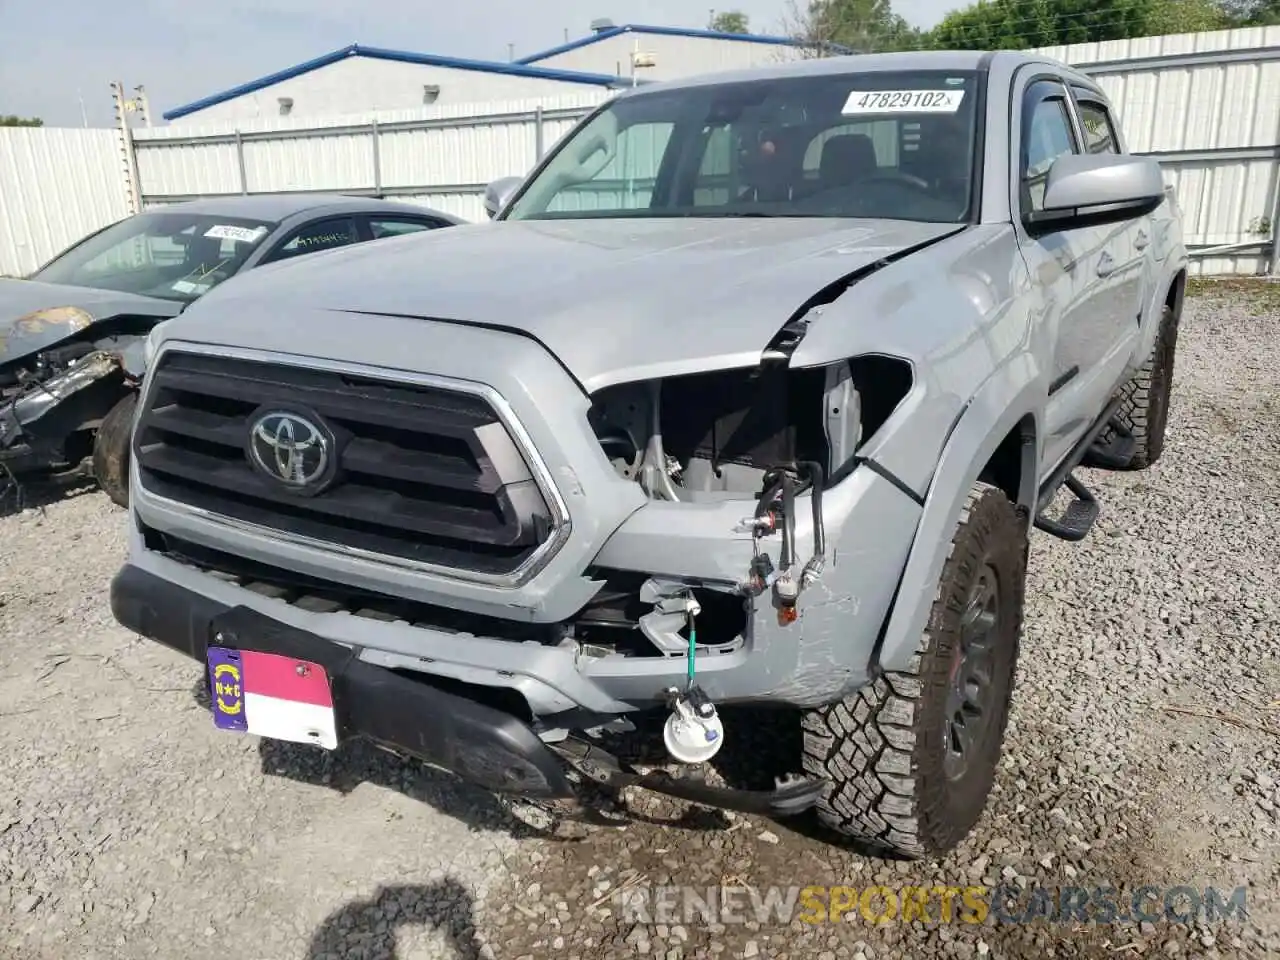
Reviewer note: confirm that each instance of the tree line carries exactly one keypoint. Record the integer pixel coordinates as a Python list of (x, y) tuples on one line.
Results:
[(871, 25)]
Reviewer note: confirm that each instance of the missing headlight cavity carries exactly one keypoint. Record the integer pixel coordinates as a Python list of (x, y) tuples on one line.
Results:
[(713, 435)]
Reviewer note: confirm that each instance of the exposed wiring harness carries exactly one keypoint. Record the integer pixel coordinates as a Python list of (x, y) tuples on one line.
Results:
[(775, 511), (816, 483)]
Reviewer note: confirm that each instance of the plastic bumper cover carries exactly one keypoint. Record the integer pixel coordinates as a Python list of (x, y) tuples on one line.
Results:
[(480, 744)]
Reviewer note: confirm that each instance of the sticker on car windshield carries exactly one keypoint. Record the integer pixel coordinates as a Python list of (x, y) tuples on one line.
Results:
[(189, 286), (224, 231), (863, 102)]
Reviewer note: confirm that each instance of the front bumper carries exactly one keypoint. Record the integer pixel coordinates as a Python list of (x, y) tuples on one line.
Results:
[(816, 660), (481, 744)]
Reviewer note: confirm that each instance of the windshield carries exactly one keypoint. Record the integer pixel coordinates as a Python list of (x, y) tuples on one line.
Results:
[(897, 145), (175, 256)]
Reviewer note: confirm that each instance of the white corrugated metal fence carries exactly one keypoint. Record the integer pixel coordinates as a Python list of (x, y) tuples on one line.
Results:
[(56, 186), (442, 156), (1207, 105)]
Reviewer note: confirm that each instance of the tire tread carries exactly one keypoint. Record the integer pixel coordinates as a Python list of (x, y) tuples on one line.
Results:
[(865, 746), (111, 450)]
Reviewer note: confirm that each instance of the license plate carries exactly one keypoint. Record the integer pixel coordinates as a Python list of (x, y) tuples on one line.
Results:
[(272, 696)]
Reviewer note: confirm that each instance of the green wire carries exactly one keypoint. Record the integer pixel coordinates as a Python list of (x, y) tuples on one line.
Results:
[(693, 643)]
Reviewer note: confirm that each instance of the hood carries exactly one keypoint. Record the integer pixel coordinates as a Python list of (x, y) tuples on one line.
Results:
[(35, 315), (614, 300)]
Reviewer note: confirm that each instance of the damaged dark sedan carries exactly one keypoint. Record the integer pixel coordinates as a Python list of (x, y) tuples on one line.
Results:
[(72, 335)]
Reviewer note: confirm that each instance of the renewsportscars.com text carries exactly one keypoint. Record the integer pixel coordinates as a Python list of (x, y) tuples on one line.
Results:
[(1182, 904)]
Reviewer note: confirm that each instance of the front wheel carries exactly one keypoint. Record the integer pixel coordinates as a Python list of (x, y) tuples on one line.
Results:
[(111, 450), (909, 760)]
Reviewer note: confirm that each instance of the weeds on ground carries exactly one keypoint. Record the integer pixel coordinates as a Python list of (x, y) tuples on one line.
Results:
[(1260, 294)]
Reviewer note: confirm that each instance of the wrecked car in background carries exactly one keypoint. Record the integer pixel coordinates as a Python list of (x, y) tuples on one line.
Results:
[(72, 334), (750, 395)]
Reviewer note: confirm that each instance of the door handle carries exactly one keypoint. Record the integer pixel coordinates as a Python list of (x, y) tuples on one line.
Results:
[(1105, 265), (1141, 241)]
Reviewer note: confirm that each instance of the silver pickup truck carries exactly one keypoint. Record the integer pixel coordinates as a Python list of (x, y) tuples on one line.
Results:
[(749, 395)]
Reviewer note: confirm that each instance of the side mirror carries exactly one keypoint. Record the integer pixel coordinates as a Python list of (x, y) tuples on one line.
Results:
[(498, 193), (1095, 188)]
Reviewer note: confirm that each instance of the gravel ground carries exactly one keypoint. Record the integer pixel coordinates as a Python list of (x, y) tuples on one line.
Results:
[(1144, 748)]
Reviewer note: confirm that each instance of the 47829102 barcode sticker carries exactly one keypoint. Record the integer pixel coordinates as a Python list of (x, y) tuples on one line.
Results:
[(863, 102)]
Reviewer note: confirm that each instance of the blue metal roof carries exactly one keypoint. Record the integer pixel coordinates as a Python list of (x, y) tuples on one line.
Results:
[(675, 32), (518, 69)]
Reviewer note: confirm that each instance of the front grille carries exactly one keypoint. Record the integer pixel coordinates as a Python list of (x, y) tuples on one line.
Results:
[(422, 474), (325, 596)]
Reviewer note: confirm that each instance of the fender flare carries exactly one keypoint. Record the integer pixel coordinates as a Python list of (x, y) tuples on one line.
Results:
[(1173, 272), (1000, 404)]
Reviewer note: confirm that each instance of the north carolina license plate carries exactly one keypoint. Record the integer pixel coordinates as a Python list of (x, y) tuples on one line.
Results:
[(273, 696)]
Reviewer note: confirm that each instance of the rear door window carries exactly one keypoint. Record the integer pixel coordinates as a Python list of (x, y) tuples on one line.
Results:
[(381, 227), (1099, 131), (318, 235)]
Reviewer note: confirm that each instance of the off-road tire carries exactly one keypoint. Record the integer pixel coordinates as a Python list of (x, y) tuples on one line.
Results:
[(111, 450), (881, 750), (1144, 408)]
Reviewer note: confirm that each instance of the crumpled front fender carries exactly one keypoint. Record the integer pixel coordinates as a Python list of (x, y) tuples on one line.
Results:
[(42, 329)]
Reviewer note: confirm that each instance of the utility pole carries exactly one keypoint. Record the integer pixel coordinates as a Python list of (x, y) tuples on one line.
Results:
[(128, 159), (142, 104)]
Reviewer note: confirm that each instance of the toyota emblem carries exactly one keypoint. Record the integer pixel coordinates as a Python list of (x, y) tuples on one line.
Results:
[(290, 448)]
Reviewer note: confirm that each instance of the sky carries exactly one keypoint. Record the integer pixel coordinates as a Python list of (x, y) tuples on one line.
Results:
[(56, 53)]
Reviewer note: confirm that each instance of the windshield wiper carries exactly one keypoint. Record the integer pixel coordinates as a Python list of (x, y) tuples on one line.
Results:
[(734, 213)]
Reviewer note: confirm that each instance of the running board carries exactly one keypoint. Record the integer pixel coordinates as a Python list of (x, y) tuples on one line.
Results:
[(1117, 453), (1081, 514), (1079, 517)]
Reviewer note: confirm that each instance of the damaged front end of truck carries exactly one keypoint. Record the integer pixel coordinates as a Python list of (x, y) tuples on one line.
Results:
[(767, 442), (549, 542), (62, 371)]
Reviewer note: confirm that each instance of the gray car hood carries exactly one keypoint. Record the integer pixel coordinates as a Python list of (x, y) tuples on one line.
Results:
[(615, 300), (35, 315)]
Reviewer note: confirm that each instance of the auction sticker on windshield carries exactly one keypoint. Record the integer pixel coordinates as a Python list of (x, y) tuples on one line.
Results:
[(863, 102), (239, 234), (189, 286)]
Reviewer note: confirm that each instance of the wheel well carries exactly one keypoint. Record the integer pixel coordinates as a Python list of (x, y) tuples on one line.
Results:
[(1012, 465), (1177, 290)]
